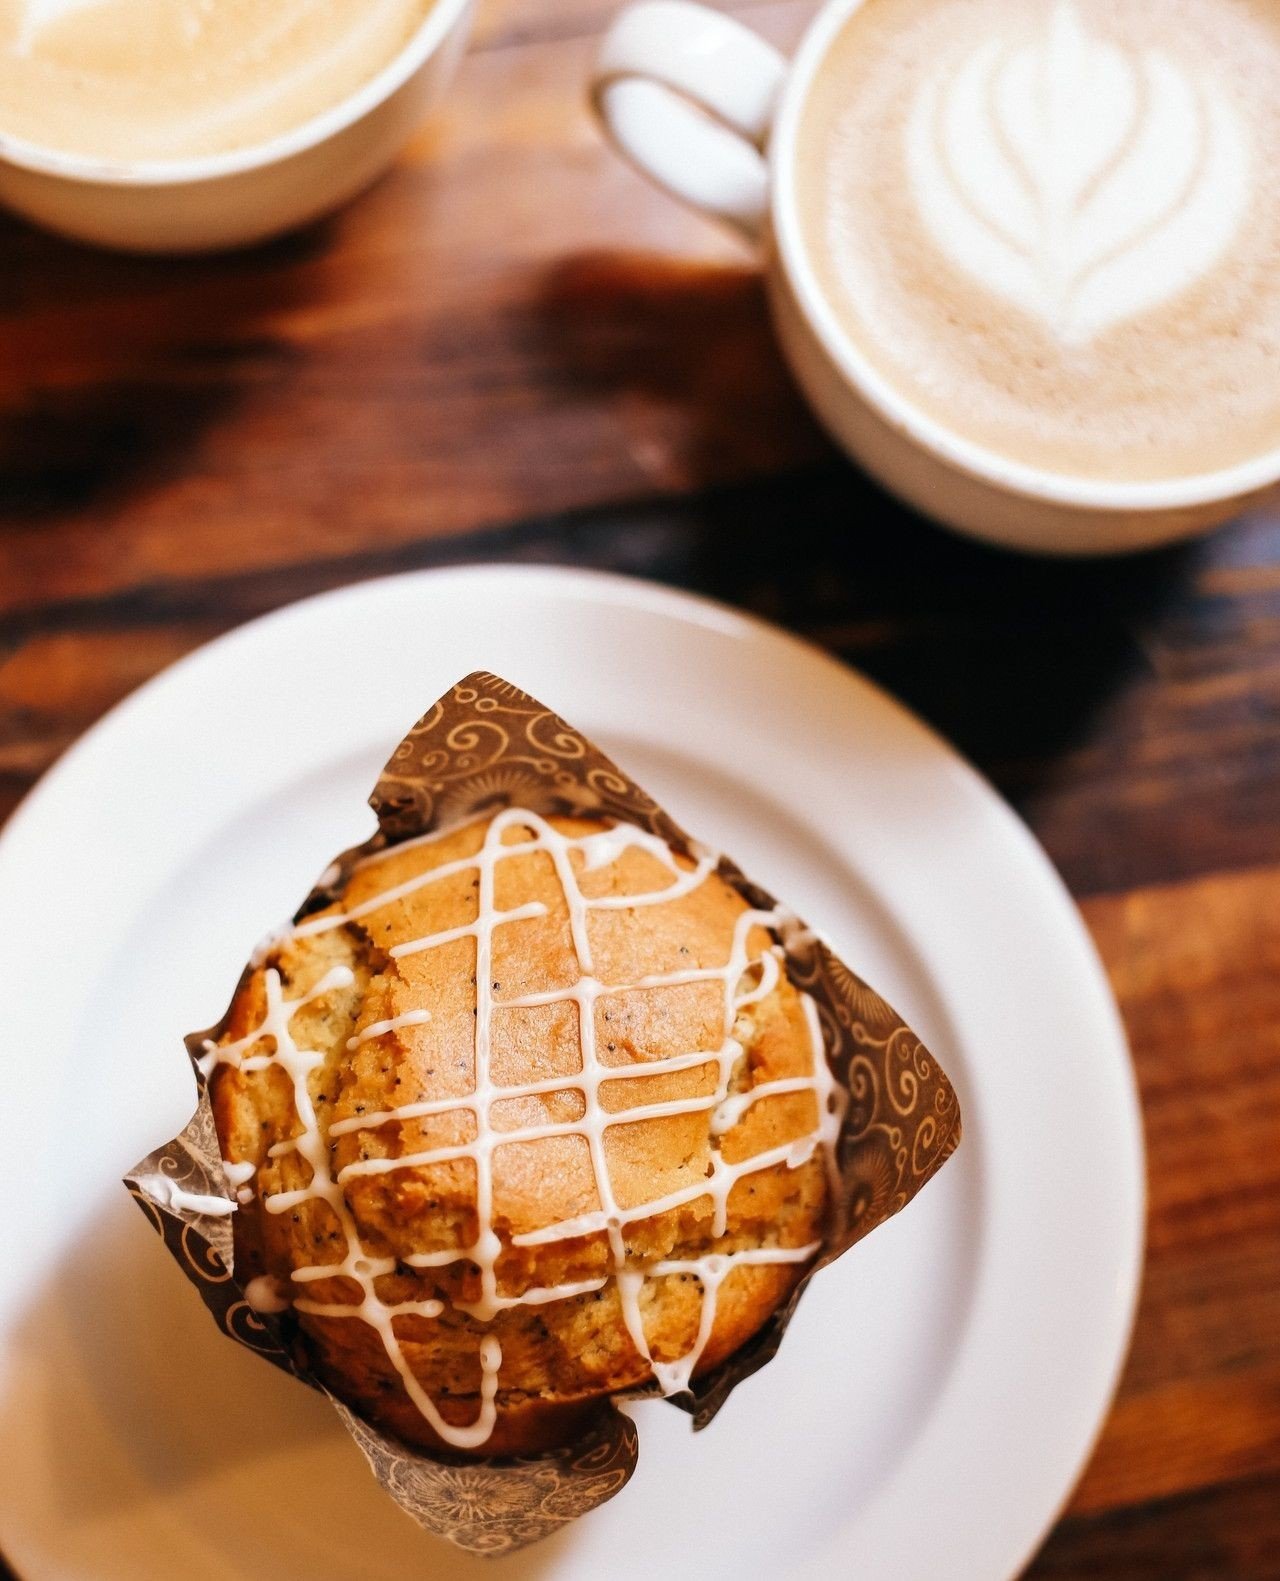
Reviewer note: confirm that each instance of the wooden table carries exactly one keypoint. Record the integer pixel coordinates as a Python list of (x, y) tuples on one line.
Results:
[(512, 349)]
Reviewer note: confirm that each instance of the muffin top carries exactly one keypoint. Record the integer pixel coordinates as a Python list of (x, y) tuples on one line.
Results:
[(531, 1115)]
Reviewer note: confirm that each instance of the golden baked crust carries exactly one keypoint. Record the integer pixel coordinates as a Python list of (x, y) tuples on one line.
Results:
[(559, 1357)]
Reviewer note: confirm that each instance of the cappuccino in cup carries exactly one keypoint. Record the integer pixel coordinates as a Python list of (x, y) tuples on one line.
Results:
[(1053, 226), (149, 80)]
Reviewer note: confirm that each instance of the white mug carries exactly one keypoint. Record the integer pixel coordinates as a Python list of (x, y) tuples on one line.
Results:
[(709, 111), (231, 199)]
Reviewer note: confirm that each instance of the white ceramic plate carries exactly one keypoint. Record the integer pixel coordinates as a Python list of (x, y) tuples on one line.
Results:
[(940, 1387)]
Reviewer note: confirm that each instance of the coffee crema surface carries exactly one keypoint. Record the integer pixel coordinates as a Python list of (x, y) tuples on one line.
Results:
[(177, 79), (1055, 227)]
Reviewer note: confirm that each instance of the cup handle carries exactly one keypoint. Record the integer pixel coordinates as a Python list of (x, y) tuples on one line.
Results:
[(688, 95)]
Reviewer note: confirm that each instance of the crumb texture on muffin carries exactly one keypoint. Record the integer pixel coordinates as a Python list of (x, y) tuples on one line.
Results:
[(531, 1115)]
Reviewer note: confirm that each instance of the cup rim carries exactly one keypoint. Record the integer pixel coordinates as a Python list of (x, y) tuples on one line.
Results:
[(434, 28), (978, 461)]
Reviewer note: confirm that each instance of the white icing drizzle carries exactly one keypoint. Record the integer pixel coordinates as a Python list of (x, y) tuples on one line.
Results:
[(264, 1295), (270, 942), (742, 981), (379, 1029), (189, 1201)]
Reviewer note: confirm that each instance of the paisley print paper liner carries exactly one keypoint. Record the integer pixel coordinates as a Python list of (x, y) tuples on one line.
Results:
[(486, 746)]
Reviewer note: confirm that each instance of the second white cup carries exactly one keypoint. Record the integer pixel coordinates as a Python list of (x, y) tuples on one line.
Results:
[(232, 199), (710, 111)]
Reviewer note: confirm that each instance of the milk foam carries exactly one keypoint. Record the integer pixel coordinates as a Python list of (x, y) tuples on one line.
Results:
[(1053, 224), (158, 79), (35, 15), (1083, 182)]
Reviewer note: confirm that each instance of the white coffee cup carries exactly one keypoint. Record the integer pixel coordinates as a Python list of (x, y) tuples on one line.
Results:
[(710, 111), (228, 200)]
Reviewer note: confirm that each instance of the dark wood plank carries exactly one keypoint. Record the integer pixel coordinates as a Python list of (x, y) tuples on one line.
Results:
[(1128, 709), (1196, 969), (1224, 1532)]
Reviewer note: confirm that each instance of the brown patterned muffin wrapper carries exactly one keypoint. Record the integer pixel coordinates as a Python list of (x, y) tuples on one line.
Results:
[(483, 747)]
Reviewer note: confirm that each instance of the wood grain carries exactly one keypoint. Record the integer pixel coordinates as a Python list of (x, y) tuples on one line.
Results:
[(1196, 968), (511, 349)]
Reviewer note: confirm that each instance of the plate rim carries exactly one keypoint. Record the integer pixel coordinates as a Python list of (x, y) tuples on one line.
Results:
[(593, 586)]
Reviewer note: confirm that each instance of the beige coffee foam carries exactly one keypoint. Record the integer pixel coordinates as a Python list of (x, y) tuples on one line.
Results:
[(1188, 386), (170, 79)]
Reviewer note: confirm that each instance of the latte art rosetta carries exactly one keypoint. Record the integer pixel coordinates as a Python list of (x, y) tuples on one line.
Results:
[(1053, 226), (1084, 183)]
